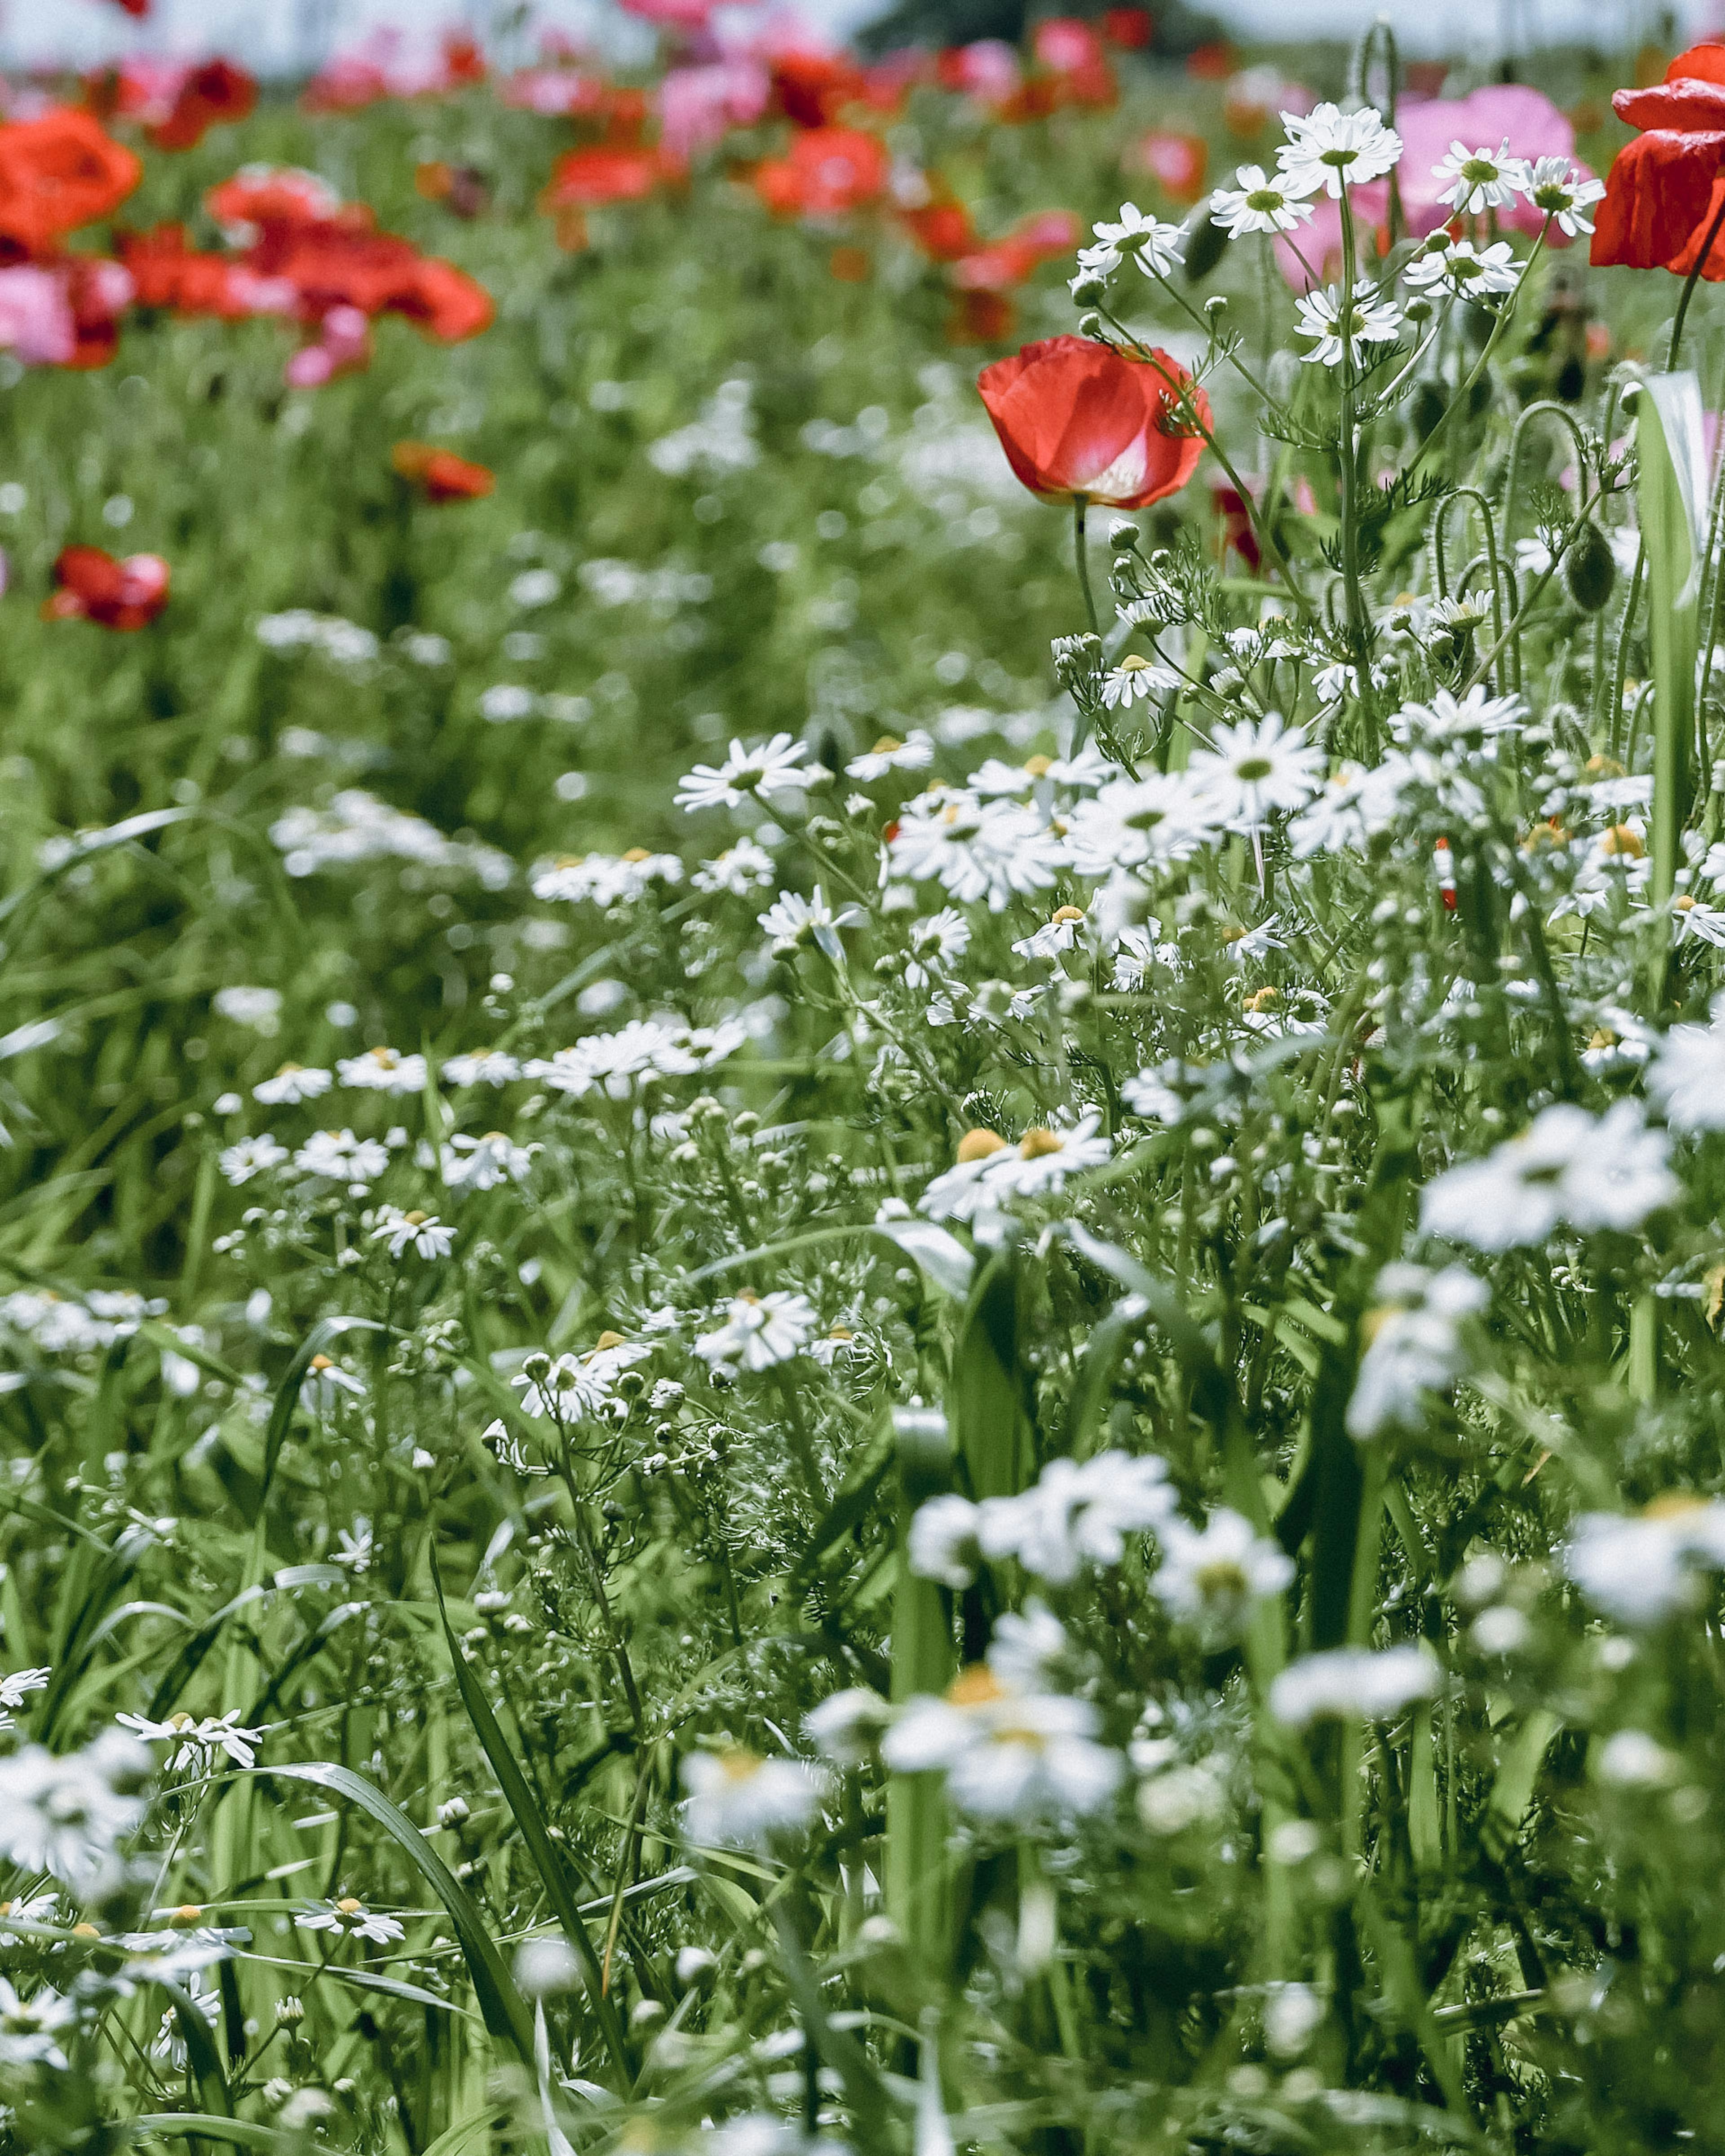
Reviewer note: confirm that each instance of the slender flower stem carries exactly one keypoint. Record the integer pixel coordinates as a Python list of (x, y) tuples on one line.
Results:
[(1506, 315), (1359, 633), (1080, 504), (1689, 285)]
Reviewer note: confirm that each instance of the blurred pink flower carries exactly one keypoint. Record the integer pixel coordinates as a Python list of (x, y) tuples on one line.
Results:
[(36, 320), (343, 347), (675, 14), (553, 92), (698, 106)]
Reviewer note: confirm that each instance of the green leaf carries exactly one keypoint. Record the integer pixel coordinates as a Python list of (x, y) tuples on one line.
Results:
[(501, 2007), (1671, 458), (519, 1797), (319, 1341), (234, 2132)]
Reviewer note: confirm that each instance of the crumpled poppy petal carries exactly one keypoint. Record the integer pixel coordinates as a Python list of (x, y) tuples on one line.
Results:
[(1657, 194)]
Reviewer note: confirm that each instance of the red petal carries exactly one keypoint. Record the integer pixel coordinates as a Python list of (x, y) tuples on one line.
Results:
[(1657, 196)]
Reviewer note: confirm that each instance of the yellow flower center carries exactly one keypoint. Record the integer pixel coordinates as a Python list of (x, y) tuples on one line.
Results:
[(979, 1144)]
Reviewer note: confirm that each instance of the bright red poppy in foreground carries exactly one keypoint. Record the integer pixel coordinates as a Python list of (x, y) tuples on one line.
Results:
[(56, 173), (1664, 190), (94, 587), (1078, 420), (440, 473)]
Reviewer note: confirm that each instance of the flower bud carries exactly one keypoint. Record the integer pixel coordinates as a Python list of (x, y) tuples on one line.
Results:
[(1589, 570)]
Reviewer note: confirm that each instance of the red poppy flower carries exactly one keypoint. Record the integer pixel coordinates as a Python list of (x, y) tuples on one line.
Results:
[(215, 94), (167, 273), (259, 195), (56, 173), (813, 89), (1009, 261), (92, 586), (588, 179), (1078, 420), (829, 170), (1212, 63), (340, 262), (441, 473), (99, 292), (1664, 189), (943, 230), (981, 317)]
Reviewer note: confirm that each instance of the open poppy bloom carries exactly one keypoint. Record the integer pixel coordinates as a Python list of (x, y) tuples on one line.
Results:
[(1664, 190), (829, 170), (92, 586), (1078, 421), (440, 473), (57, 173)]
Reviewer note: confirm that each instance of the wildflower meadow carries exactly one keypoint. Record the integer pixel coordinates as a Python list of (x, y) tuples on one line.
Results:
[(862, 1098)]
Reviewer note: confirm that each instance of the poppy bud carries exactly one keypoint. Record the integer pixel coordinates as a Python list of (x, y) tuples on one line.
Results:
[(1204, 249), (1589, 569)]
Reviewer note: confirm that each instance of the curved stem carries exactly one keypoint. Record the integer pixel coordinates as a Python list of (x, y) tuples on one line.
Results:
[(1080, 504), (1690, 282), (1357, 635)]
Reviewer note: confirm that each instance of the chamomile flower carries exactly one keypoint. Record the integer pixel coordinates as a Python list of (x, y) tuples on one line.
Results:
[(383, 1070), (1371, 319), (792, 920), (759, 1331), (1255, 768), (1482, 179), (741, 870), (485, 1161), (1157, 248), (482, 1066), (340, 1156), (915, 753), (938, 940), (1465, 270), (291, 1085), (1328, 150), (1257, 203), (1213, 1576), (760, 774), (1565, 194), (350, 1918), (737, 1799), (249, 1157), (423, 1233), (1134, 678)]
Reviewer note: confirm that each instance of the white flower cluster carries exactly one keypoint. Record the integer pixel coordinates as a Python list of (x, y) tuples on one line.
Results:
[(59, 1325), (605, 879), (618, 1063), (343, 643), (1075, 1513), (357, 827)]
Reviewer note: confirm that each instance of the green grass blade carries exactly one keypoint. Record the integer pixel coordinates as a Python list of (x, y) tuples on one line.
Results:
[(501, 2007)]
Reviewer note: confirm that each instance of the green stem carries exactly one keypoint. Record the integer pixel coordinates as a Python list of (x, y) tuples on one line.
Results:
[(1080, 504), (1690, 282), (1358, 636)]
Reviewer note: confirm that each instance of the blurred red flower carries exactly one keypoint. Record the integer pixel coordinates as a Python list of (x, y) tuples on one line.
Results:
[(440, 473), (1005, 263), (1130, 29), (942, 229), (588, 179), (813, 89), (829, 170), (56, 173), (92, 586), (1664, 190), (214, 94), (1080, 421), (1177, 161)]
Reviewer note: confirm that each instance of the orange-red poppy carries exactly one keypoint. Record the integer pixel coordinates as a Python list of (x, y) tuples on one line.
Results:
[(56, 173), (214, 94), (1078, 420), (1665, 190), (828, 169), (439, 473)]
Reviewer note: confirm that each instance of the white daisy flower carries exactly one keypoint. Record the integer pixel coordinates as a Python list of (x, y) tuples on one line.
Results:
[(759, 1331), (249, 1157), (291, 1085), (741, 870), (1255, 768), (1467, 271), (1352, 1684), (738, 1799), (383, 1070), (482, 1066), (1481, 179), (1134, 678), (792, 921), (761, 774), (1213, 1576), (350, 1918), (1328, 149), (1257, 203), (1157, 248), (1371, 321), (424, 1233), (915, 753), (1554, 186)]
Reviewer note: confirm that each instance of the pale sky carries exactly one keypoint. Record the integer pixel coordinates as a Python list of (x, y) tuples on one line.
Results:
[(286, 32)]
